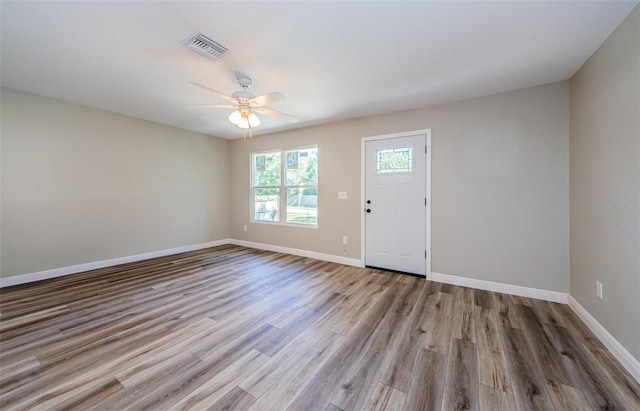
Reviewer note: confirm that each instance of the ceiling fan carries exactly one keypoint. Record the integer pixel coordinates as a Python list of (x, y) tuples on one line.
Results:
[(246, 105)]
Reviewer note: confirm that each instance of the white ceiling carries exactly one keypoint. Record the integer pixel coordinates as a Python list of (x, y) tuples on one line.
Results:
[(334, 60)]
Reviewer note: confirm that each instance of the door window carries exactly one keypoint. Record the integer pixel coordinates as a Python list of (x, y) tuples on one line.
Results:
[(394, 160)]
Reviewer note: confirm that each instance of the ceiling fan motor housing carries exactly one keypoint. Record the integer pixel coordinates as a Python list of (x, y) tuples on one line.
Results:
[(242, 96)]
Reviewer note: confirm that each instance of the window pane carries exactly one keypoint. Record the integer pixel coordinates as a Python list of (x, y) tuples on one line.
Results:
[(266, 204), (302, 205), (394, 160), (266, 169), (302, 167)]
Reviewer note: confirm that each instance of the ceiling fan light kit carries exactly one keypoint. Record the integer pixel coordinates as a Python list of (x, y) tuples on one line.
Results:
[(244, 119), (246, 105)]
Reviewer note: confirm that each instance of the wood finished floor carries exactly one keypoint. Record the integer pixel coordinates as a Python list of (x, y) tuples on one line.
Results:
[(232, 328)]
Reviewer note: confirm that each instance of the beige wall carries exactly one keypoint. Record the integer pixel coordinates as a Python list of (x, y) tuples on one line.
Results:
[(82, 185), (499, 187), (605, 183)]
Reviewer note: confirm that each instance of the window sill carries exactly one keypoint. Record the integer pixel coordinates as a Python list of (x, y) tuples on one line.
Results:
[(280, 224)]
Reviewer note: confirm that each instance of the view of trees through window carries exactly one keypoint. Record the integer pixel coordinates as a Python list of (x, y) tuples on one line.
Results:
[(286, 177)]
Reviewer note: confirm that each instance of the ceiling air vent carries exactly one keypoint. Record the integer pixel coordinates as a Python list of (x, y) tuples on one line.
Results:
[(202, 44)]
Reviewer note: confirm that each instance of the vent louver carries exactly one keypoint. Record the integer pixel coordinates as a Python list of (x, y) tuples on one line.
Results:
[(204, 45)]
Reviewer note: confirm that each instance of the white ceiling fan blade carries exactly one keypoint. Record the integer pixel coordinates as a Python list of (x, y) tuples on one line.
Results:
[(212, 106), (266, 99), (216, 92), (277, 114)]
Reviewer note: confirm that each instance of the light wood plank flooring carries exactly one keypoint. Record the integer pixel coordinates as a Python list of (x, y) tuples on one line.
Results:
[(232, 328)]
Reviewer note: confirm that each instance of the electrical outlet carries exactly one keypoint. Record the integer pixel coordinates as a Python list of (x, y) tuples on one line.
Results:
[(244, 227), (599, 289), (345, 240)]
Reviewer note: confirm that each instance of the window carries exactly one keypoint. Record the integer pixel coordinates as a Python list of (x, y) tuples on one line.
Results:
[(394, 160), (288, 178)]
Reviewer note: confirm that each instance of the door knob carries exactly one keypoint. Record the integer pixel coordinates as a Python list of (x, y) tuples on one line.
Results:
[(368, 210)]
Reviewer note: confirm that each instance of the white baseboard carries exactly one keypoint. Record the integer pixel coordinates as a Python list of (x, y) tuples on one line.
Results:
[(628, 361), (302, 253), (554, 296), (59, 272)]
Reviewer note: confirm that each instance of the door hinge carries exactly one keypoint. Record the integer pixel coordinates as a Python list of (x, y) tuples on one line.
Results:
[(425, 253), (425, 201), (425, 149)]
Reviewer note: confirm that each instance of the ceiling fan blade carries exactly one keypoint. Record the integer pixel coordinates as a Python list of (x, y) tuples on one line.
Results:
[(277, 114), (212, 106), (217, 93), (266, 99)]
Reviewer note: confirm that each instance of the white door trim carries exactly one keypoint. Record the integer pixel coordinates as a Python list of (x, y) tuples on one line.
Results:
[(363, 140)]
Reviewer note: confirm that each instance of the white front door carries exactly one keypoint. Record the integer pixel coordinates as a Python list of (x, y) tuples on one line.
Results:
[(395, 204)]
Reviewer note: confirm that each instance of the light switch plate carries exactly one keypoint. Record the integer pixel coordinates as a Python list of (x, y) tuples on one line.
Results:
[(342, 195)]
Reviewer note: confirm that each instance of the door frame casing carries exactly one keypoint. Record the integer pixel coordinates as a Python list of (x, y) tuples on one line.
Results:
[(427, 170)]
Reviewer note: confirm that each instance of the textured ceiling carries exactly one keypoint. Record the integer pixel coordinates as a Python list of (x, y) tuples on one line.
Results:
[(334, 60)]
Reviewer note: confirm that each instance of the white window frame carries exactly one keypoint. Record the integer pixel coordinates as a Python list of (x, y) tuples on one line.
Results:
[(282, 211)]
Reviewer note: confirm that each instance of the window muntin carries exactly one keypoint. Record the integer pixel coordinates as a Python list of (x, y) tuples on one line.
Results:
[(298, 169), (394, 160)]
